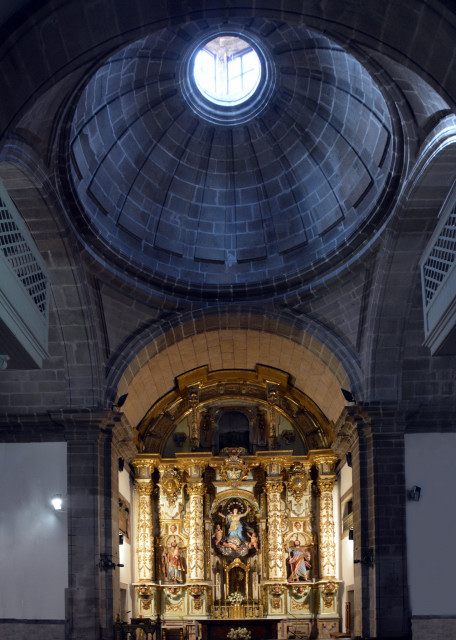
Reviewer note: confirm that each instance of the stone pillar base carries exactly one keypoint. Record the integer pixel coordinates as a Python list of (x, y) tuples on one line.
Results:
[(433, 628)]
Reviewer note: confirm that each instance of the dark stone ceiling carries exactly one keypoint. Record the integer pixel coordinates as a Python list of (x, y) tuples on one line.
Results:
[(208, 205)]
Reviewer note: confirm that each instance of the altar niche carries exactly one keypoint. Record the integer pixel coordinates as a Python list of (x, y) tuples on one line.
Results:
[(235, 541), (235, 535)]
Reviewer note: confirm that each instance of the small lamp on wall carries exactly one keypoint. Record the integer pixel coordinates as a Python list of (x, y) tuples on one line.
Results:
[(349, 397), (414, 493), (57, 501)]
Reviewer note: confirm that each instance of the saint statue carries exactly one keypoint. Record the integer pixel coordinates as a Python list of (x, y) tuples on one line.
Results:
[(237, 527), (172, 565), (240, 537), (299, 561)]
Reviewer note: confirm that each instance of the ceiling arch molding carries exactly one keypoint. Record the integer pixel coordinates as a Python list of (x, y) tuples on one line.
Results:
[(78, 48), (314, 369)]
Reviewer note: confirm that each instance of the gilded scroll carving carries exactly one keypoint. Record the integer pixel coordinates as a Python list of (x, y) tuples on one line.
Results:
[(327, 532), (276, 564), (196, 532), (144, 541)]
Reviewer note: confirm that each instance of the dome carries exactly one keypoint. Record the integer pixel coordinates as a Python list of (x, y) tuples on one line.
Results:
[(209, 197)]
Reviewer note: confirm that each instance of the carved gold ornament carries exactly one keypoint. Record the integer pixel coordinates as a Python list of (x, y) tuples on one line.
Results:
[(175, 608), (145, 593), (275, 538), (234, 470), (300, 591), (171, 485), (276, 592), (329, 592), (174, 594), (297, 605), (297, 483), (196, 591), (327, 528), (144, 540), (197, 604), (195, 512)]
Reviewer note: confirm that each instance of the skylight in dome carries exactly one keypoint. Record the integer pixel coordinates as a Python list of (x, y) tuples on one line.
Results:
[(227, 70)]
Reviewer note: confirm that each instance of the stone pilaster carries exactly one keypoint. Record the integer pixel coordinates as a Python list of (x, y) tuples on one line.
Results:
[(375, 436), (91, 486)]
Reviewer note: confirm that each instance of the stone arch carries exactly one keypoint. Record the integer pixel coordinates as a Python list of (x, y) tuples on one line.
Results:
[(400, 366), (233, 342), (72, 334)]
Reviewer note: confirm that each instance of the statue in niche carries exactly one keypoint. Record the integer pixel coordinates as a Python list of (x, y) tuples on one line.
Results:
[(172, 562), (240, 537), (299, 562), (206, 431), (260, 430)]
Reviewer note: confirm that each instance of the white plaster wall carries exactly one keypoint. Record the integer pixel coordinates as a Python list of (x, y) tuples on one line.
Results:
[(126, 549), (33, 537), (345, 479), (430, 462), (345, 546)]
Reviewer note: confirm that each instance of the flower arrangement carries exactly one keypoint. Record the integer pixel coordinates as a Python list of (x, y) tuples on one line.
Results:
[(241, 633), (235, 598)]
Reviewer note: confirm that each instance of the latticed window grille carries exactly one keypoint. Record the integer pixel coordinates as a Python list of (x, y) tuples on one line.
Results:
[(22, 256), (441, 257)]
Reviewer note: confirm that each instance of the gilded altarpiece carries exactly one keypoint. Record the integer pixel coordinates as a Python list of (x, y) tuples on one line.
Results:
[(234, 506), (237, 536)]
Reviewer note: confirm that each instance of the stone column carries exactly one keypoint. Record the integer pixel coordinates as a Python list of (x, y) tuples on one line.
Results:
[(276, 554), (92, 483), (375, 437), (388, 521), (145, 552), (195, 552), (327, 547)]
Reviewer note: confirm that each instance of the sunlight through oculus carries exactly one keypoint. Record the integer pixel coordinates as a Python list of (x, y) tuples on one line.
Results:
[(227, 70)]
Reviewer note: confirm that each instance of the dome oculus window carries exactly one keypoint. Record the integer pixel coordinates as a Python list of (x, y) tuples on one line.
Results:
[(227, 70)]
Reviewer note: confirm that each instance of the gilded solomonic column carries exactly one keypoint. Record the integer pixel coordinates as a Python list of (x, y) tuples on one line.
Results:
[(145, 540), (276, 560), (195, 557), (326, 479)]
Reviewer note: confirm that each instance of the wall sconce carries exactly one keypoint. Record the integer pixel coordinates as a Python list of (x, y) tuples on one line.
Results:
[(57, 501), (367, 558), (349, 397), (350, 534), (120, 538), (414, 493), (106, 562), (120, 402)]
